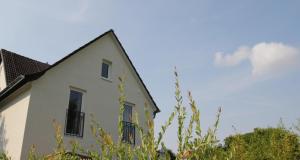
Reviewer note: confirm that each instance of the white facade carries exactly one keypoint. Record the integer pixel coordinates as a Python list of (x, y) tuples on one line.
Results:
[(13, 120), (27, 115), (2, 77)]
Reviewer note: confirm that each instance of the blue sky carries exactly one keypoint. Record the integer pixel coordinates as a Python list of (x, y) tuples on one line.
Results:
[(241, 55)]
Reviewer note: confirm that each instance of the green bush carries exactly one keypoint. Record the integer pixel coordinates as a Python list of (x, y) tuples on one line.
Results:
[(269, 143)]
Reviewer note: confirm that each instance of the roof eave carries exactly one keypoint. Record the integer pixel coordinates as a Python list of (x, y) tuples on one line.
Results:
[(20, 81), (139, 77)]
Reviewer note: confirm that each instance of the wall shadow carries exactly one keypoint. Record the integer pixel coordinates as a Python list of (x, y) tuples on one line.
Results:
[(3, 140)]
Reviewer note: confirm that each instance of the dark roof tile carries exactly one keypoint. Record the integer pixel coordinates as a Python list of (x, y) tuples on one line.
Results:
[(16, 65)]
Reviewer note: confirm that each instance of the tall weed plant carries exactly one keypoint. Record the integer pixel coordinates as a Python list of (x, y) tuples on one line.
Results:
[(193, 142)]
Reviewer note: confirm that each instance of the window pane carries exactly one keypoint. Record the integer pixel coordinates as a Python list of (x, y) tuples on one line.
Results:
[(105, 68), (75, 101), (75, 118), (73, 122), (127, 114), (128, 126)]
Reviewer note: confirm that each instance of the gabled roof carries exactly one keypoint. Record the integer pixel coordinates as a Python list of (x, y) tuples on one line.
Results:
[(16, 65), (21, 70)]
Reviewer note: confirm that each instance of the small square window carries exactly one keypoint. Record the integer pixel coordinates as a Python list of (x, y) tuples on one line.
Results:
[(106, 69)]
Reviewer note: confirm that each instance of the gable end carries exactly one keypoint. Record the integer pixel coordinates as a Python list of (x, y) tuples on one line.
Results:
[(41, 68)]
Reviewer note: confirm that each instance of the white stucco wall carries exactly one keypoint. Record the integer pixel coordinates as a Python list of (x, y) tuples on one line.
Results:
[(2, 77), (50, 95), (13, 114)]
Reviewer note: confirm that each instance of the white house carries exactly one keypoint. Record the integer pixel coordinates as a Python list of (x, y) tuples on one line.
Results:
[(33, 94)]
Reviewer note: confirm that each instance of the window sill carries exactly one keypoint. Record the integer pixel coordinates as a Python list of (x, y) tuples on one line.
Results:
[(107, 79)]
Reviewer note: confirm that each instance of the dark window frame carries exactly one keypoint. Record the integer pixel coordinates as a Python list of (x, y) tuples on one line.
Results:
[(74, 120), (106, 69), (129, 131), (79, 127)]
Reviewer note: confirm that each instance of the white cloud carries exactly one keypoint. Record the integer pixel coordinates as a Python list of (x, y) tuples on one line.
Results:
[(232, 59), (273, 57), (265, 58)]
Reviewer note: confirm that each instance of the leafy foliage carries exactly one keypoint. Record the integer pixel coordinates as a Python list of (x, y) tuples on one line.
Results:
[(269, 143), (193, 143), (3, 156)]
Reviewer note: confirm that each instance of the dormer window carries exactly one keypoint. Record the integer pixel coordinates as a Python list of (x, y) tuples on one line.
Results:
[(106, 69)]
